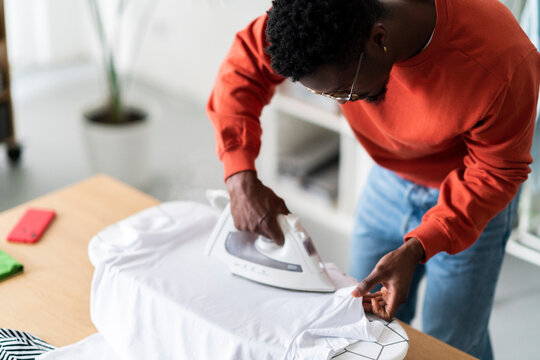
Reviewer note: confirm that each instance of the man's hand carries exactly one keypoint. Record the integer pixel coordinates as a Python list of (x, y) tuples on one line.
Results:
[(395, 272), (255, 207)]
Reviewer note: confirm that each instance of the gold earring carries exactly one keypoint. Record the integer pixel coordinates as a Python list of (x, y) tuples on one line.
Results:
[(385, 48)]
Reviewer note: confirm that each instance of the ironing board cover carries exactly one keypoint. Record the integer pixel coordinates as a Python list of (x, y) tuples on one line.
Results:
[(155, 295)]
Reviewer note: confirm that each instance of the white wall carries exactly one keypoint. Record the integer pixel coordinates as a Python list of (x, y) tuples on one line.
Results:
[(45, 33), (186, 42), (180, 42)]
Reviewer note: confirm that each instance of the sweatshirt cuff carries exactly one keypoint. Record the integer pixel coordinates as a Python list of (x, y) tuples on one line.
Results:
[(433, 238), (238, 159)]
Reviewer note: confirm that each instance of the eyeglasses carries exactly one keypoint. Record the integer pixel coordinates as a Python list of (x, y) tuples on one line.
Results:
[(343, 96)]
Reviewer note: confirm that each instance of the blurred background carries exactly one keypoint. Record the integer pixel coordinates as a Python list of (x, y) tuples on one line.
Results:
[(62, 60)]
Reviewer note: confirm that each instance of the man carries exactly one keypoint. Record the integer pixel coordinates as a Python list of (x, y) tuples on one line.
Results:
[(442, 94)]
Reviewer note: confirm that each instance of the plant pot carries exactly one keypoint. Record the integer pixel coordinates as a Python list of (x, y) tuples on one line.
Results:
[(118, 149)]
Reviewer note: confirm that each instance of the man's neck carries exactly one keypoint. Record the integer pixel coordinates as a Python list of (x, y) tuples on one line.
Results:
[(414, 22)]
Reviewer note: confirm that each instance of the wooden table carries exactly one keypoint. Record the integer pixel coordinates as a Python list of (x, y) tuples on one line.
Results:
[(51, 299)]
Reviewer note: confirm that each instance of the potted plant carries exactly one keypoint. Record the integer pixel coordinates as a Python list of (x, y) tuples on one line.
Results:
[(117, 135)]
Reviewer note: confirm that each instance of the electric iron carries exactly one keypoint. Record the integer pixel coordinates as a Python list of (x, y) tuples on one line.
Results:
[(296, 265)]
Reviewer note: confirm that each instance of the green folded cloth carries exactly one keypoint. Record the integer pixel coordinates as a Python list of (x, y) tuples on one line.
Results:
[(8, 266)]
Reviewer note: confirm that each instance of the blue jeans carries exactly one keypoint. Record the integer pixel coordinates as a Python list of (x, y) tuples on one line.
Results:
[(460, 287)]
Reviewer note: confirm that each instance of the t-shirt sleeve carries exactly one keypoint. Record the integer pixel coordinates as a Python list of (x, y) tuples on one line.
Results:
[(496, 164), (245, 84)]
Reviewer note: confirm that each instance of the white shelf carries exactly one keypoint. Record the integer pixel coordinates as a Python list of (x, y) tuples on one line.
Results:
[(308, 112), (314, 207), (522, 243), (520, 250)]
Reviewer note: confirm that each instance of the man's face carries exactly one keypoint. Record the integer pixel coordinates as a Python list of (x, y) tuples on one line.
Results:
[(370, 85)]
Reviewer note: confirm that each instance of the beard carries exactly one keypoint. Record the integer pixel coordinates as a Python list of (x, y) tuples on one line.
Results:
[(378, 98)]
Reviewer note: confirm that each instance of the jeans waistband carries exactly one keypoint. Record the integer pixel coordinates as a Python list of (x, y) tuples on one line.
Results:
[(421, 196)]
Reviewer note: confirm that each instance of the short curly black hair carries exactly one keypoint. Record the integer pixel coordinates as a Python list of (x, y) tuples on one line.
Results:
[(305, 34)]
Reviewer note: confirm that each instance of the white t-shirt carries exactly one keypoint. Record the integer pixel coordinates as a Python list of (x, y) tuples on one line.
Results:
[(155, 295)]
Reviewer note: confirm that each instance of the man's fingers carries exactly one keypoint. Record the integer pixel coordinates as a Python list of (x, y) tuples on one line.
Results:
[(375, 306), (367, 307), (392, 304), (369, 296), (284, 209), (379, 309), (270, 227), (366, 285), (382, 308)]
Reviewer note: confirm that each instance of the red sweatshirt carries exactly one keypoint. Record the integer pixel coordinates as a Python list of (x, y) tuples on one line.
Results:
[(458, 116)]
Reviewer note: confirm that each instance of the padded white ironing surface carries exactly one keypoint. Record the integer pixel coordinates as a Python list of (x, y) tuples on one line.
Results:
[(390, 346), (393, 344), (136, 308)]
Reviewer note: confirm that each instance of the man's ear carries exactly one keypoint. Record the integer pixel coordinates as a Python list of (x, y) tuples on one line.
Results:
[(378, 38)]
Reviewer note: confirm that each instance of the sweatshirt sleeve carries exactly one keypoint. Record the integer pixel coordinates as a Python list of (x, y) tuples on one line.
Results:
[(245, 84), (496, 164)]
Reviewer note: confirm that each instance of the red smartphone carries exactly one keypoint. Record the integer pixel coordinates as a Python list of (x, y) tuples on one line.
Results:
[(31, 226)]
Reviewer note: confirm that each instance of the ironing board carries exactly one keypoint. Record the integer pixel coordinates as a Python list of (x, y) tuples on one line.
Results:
[(37, 300), (386, 348), (393, 344), (207, 313)]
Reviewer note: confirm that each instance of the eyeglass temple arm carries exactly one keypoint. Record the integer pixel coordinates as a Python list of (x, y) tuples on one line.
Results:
[(356, 74)]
